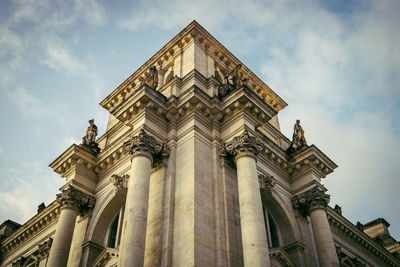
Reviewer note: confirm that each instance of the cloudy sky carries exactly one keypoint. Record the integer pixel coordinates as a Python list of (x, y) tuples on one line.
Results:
[(336, 63)]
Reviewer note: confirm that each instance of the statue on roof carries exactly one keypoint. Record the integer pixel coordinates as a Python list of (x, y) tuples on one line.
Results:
[(89, 140), (232, 81), (152, 78), (298, 139)]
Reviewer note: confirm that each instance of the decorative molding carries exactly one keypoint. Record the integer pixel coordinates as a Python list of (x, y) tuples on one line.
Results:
[(119, 182), (72, 197), (348, 231), (267, 182), (243, 144), (106, 256), (281, 256), (194, 32), (310, 200), (34, 259), (146, 144), (31, 228)]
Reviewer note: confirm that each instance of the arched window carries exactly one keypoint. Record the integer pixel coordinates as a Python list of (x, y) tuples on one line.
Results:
[(271, 229), (112, 239), (114, 235)]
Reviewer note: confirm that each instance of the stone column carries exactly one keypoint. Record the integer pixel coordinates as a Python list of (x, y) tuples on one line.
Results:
[(313, 203), (145, 152), (244, 150), (73, 202)]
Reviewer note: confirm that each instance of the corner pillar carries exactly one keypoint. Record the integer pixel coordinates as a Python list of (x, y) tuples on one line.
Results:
[(313, 203), (73, 202), (145, 152), (244, 150)]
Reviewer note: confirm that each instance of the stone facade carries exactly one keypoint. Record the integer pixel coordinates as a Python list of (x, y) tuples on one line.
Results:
[(193, 170)]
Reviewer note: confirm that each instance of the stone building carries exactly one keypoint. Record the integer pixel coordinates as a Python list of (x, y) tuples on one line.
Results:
[(193, 170)]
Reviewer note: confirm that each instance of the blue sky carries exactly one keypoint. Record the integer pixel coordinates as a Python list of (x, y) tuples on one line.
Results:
[(336, 64)]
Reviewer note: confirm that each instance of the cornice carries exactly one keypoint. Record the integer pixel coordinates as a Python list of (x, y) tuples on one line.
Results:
[(144, 97), (346, 229), (74, 155), (245, 99), (311, 157), (193, 32), (31, 228)]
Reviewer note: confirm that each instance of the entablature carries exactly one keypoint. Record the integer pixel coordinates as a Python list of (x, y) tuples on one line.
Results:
[(223, 60), (311, 158), (73, 156), (31, 228), (349, 231)]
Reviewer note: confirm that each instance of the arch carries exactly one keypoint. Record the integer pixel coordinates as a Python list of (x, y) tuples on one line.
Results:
[(105, 214), (286, 224)]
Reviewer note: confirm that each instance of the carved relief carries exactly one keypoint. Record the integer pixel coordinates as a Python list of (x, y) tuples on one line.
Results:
[(146, 144), (314, 198), (119, 182), (241, 144), (75, 198), (267, 182)]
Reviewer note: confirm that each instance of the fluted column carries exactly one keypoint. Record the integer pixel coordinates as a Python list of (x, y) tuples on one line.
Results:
[(73, 202), (145, 152), (244, 150), (313, 203)]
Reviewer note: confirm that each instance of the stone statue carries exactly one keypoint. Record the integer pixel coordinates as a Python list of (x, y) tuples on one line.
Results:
[(232, 81), (298, 139), (152, 78), (89, 140), (91, 133)]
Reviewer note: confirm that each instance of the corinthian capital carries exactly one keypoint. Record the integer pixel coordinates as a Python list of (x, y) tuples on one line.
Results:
[(72, 197), (241, 144), (148, 145), (314, 198)]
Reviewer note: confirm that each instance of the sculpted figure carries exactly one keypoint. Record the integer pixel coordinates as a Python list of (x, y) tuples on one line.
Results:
[(152, 78), (91, 133), (232, 82), (298, 140)]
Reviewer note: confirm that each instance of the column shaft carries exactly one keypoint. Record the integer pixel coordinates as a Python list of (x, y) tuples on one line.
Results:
[(323, 238), (254, 239), (62, 240), (135, 218)]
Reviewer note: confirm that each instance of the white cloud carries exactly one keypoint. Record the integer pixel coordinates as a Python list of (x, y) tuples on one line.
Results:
[(59, 58), (27, 104), (57, 14), (19, 196)]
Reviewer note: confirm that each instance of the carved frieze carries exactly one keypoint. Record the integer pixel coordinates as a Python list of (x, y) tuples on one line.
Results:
[(146, 144), (241, 144), (75, 198), (267, 182), (119, 182), (314, 198)]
